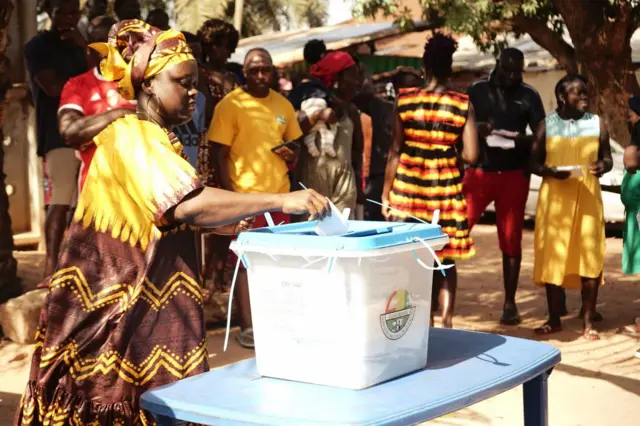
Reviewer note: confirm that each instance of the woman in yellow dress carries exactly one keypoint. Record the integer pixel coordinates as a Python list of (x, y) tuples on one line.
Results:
[(570, 235)]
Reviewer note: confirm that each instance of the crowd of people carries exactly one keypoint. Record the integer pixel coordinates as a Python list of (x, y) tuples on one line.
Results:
[(155, 141)]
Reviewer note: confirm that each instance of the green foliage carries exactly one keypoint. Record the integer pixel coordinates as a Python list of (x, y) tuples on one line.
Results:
[(259, 16), (489, 21), (191, 14), (484, 20)]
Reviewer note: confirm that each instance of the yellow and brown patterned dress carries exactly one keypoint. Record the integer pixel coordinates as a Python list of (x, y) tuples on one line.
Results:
[(428, 176), (124, 310)]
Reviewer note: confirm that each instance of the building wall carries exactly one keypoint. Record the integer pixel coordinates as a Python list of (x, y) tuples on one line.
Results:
[(22, 166), (545, 83), (16, 148)]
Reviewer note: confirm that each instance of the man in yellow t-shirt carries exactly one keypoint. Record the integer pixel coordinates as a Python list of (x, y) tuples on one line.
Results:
[(249, 122), (247, 125)]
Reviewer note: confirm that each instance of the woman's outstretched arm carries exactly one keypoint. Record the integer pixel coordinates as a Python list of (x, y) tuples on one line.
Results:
[(211, 207)]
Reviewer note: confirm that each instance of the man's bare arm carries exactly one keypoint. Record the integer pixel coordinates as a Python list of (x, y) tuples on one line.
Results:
[(76, 129), (221, 165)]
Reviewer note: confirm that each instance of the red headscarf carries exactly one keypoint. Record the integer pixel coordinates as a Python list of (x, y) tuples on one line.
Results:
[(328, 68)]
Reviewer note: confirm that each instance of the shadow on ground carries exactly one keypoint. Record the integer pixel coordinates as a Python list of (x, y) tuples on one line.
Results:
[(624, 383), (8, 405)]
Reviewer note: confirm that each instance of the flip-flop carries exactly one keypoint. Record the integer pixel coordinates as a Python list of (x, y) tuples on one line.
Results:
[(591, 334), (547, 329), (245, 338), (510, 317), (633, 329)]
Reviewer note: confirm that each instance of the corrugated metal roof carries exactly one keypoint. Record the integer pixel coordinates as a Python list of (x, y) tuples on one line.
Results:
[(286, 47), (470, 57)]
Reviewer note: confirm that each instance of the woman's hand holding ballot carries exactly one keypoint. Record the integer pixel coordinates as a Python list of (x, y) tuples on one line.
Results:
[(307, 201)]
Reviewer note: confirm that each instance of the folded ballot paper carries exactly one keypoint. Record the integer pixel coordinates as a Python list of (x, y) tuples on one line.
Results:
[(499, 141), (336, 224), (576, 171)]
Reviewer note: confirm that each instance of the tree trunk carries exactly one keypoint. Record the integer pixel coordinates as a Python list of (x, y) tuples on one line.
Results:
[(9, 282), (612, 81), (601, 35)]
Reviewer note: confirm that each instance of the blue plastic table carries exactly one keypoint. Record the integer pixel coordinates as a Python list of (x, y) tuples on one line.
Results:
[(463, 368)]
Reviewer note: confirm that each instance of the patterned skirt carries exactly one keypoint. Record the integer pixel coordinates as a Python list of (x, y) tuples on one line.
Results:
[(429, 179), (117, 322)]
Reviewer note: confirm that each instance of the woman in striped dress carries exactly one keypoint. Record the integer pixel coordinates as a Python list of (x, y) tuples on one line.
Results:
[(434, 132)]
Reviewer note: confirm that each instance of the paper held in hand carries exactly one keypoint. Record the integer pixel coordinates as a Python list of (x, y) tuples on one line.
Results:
[(506, 133), (498, 141), (336, 224), (576, 171)]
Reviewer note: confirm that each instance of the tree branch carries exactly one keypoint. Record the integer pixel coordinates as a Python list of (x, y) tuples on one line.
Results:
[(543, 35), (602, 26)]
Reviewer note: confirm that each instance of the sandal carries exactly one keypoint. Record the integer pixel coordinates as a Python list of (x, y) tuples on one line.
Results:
[(591, 334), (547, 329), (634, 329), (510, 316), (245, 338)]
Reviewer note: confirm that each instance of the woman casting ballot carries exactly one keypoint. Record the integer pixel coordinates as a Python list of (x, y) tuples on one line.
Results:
[(124, 310)]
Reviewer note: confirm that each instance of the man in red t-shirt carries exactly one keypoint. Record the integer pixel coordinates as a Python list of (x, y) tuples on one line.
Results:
[(89, 103)]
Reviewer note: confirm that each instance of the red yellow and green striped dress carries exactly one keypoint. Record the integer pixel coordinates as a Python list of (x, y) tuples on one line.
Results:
[(428, 176)]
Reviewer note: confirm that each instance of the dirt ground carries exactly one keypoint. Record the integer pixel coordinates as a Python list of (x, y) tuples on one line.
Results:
[(597, 383)]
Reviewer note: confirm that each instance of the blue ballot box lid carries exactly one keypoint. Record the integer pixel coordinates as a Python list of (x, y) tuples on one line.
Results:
[(362, 236)]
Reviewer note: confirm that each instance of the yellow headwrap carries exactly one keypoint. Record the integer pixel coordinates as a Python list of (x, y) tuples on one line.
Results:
[(136, 51)]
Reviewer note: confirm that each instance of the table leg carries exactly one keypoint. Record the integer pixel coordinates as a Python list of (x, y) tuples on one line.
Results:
[(536, 412)]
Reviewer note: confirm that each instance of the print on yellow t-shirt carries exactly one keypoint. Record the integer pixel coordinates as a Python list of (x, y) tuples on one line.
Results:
[(251, 127)]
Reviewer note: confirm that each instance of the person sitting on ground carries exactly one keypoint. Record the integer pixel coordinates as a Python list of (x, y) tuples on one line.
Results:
[(124, 311)]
